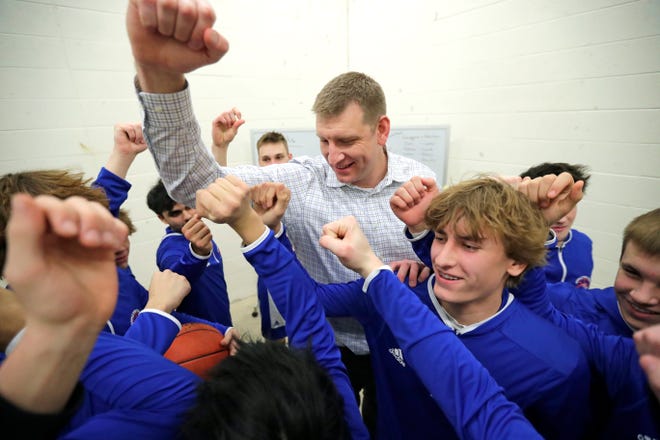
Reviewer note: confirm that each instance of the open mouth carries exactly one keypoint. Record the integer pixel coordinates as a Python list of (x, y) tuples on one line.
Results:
[(446, 276)]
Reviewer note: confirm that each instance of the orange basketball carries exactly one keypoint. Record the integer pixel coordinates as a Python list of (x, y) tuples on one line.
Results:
[(197, 348)]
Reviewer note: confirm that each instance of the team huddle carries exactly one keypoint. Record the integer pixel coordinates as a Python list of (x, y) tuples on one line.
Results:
[(391, 307)]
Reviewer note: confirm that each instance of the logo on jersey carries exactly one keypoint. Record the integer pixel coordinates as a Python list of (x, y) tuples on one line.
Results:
[(398, 355), (583, 282), (134, 315)]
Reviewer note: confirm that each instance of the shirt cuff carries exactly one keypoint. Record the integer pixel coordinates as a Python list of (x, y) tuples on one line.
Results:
[(373, 275), (196, 255), (257, 242), (164, 314), (416, 236), (166, 108)]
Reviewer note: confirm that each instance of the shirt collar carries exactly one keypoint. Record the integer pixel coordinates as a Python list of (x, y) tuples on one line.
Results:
[(449, 320)]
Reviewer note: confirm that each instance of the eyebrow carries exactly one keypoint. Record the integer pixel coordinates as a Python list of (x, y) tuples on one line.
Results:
[(464, 237)]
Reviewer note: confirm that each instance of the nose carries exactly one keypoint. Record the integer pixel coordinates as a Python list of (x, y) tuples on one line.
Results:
[(647, 293), (334, 154), (445, 255), (188, 214)]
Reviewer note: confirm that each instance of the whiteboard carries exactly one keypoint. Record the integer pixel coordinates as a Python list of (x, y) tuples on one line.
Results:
[(428, 145)]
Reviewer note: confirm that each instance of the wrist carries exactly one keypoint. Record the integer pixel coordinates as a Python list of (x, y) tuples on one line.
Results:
[(249, 227), (417, 229), (166, 306), (369, 265), (151, 80)]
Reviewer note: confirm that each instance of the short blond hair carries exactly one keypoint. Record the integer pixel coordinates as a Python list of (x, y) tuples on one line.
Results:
[(644, 231), (487, 205), (272, 137), (350, 87)]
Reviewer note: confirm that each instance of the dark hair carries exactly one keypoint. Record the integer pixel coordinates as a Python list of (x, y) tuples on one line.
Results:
[(267, 391), (579, 172), (272, 137), (158, 199), (57, 183)]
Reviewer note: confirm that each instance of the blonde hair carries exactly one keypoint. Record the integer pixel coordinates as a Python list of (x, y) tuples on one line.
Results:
[(644, 231), (487, 205), (347, 88)]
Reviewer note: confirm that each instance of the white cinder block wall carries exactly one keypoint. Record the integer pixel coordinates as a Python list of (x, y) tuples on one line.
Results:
[(518, 81)]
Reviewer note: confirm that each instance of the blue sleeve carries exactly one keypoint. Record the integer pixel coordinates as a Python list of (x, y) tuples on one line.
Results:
[(613, 357), (422, 246), (154, 330), (339, 299), (184, 318), (116, 189), (293, 291), (131, 392), (284, 239), (468, 396), (174, 253)]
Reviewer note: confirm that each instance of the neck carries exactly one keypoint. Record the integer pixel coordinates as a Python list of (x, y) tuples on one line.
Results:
[(378, 172), (474, 311)]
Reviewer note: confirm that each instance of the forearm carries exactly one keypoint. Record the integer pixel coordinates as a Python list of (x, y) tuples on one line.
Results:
[(470, 398), (174, 138), (119, 163), (249, 227), (115, 187), (40, 374), (154, 328), (293, 291), (220, 154), (180, 258)]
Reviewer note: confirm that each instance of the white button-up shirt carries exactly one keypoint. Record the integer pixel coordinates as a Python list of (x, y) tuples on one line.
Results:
[(317, 197)]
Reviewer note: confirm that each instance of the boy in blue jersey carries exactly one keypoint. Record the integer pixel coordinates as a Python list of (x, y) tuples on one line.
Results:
[(70, 244), (272, 148), (633, 302), (188, 249), (133, 297), (486, 236), (569, 258), (488, 415), (628, 408), (128, 390)]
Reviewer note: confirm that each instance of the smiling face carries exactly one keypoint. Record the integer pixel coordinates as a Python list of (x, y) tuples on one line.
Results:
[(176, 217), (354, 149), (637, 286), (470, 272)]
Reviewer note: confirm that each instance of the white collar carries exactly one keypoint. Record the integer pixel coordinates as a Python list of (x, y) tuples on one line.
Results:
[(450, 321)]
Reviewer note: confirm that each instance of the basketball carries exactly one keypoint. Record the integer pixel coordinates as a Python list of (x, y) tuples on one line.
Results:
[(197, 348)]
